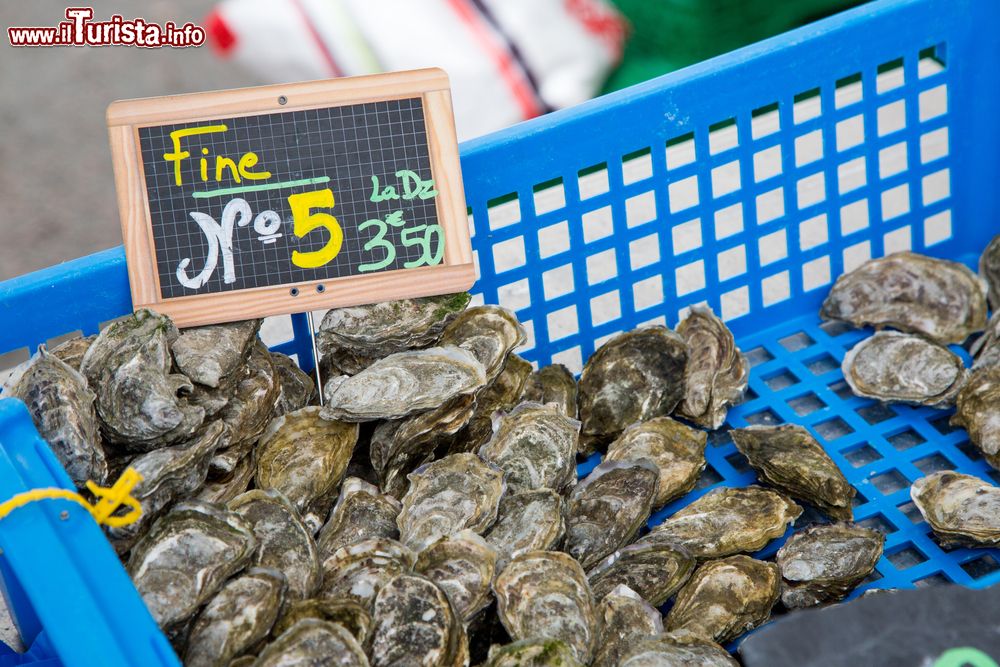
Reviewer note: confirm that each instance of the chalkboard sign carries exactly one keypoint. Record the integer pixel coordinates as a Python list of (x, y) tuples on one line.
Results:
[(279, 199)]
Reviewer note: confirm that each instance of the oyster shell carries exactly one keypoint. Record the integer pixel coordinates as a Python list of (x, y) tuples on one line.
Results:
[(824, 563), (654, 570), (989, 269), (535, 445), (463, 566), (141, 405), (790, 459), (361, 513), (535, 652), (986, 349), (358, 571), (553, 384), (678, 452), (978, 411), (545, 594), (717, 372), (941, 300), (447, 495), (208, 354), (680, 651), (238, 617), (489, 333), (283, 541), (349, 614), (727, 521), (225, 489), (314, 643), (403, 384), (186, 557), (961, 509), (297, 388), (62, 407), (896, 367), (633, 377), (726, 598), (71, 352), (243, 661), (416, 624), (623, 618), (529, 521), (500, 396), (607, 509), (305, 457)]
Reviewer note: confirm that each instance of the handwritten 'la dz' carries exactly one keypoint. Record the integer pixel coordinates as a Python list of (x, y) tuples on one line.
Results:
[(305, 217)]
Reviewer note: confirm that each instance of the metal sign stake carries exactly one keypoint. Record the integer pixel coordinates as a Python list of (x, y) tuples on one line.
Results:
[(312, 338)]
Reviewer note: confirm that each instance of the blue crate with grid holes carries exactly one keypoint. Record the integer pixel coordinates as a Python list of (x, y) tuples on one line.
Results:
[(748, 182)]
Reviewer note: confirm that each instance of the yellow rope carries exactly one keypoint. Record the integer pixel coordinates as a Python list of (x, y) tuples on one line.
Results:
[(108, 500)]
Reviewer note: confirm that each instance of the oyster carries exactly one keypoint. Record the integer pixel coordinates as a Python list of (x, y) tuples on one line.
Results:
[(673, 650), (71, 352), (545, 594), (553, 384), (529, 521), (349, 614), (607, 509), (654, 570), (941, 300), (210, 353), (717, 372), (62, 408), (314, 643), (416, 624), (986, 349), (238, 617), (978, 411), (678, 452), (297, 388), (896, 367), (463, 566), (623, 618), (790, 459), (358, 571), (824, 563), (283, 541), (726, 598), (539, 652), (141, 405), (489, 333), (989, 269), (243, 661), (633, 377), (361, 513), (403, 384), (961, 509), (186, 557), (305, 457), (500, 396), (535, 445), (447, 495), (727, 521), (224, 489)]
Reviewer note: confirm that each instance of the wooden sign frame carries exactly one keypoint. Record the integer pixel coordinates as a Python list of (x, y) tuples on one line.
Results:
[(455, 273)]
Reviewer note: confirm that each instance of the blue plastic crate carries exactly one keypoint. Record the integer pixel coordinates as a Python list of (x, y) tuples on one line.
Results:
[(735, 182)]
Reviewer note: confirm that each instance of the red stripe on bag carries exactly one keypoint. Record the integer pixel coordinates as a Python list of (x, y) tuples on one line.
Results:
[(317, 39), (220, 36), (602, 21)]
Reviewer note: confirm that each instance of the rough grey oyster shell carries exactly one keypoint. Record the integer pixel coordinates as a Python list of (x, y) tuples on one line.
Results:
[(939, 299), (962, 510), (623, 617), (416, 624), (545, 594), (305, 456), (824, 563), (283, 541), (553, 384), (678, 452), (499, 396), (895, 367), (986, 349), (534, 652), (238, 617), (224, 489), (529, 521), (297, 388), (349, 614), (357, 336), (243, 661), (717, 372), (978, 411), (989, 269), (463, 566), (358, 571), (727, 521), (676, 651), (790, 459), (726, 598), (314, 643), (606, 510), (141, 405), (73, 350), (489, 333), (535, 445), (214, 400), (633, 377), (208, 354), (186, 557), (654, 570), (447, 495), (361, 513), (403, 384), (62, 407)]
